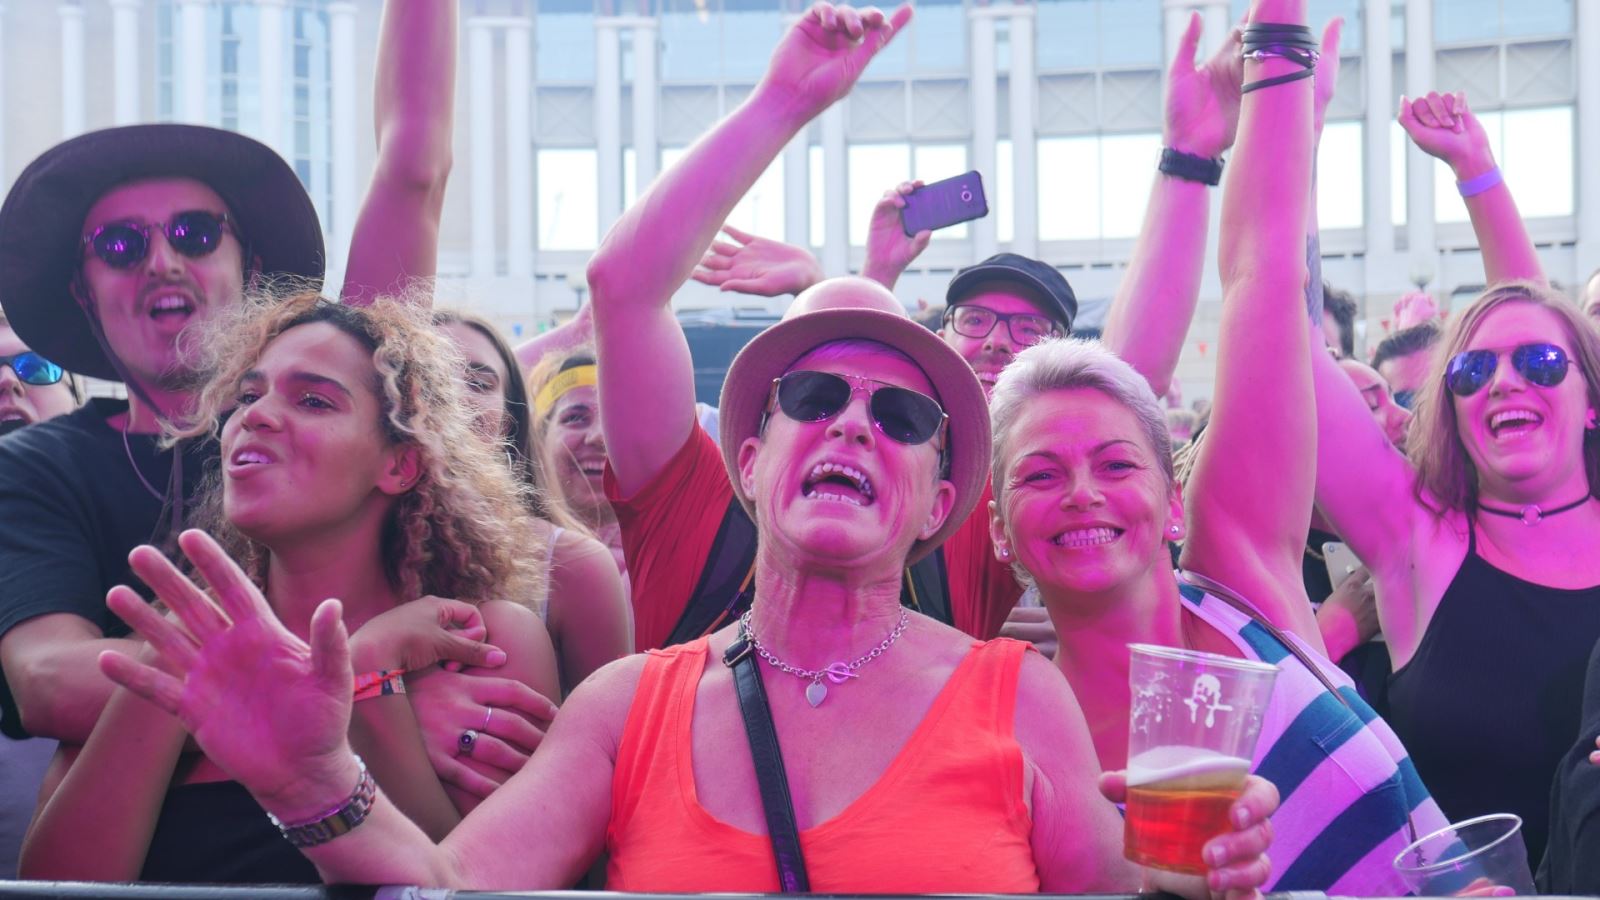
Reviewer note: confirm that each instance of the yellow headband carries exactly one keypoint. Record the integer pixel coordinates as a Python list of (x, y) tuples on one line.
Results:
[(555, 388)]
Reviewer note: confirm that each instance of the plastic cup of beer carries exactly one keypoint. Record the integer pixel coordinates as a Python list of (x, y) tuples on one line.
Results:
[(1193, 720), (1482, 857)]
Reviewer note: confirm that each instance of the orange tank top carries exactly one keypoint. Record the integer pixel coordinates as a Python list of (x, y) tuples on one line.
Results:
[(947, 816)]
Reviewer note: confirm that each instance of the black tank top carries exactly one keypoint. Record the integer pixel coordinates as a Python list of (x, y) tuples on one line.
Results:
[(1492, 699), (215, 833)]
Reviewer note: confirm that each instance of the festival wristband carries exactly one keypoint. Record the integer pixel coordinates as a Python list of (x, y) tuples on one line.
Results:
[(1190, 167), (1472, 187), (381, 683)]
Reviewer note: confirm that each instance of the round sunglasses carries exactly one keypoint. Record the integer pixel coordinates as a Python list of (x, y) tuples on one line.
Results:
[(1542, 364), (32, 368), (193, 233), (903, 415)]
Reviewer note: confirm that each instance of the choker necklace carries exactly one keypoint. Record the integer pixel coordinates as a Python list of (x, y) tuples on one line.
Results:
[(838, 672), (142, 480), (1533, 514)]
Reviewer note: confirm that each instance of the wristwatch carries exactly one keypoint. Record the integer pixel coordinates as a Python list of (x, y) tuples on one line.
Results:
[(1190, 167), (336, 821)]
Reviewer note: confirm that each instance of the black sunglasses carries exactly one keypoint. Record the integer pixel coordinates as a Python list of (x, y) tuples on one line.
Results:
[(903, 415), (1026, 329), (1542, 364), (123, 245), (32, 368)]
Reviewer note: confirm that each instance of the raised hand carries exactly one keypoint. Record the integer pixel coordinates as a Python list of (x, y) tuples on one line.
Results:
[(270, 709), (1414, 309), (820, 58), (757, 265), (889, 251), (1445, 128), (1202, 110)]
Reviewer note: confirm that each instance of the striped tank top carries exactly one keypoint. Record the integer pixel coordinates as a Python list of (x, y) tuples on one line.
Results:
[(1345, 781)]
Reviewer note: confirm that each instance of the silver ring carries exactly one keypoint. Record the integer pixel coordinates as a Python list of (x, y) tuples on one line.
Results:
[(466, 742), (488, 713)]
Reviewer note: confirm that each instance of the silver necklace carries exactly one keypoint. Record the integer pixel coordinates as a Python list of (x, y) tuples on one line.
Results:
[(147, 486), (837, 672)]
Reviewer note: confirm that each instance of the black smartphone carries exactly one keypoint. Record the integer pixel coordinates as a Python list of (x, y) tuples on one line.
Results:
[(944, 203)]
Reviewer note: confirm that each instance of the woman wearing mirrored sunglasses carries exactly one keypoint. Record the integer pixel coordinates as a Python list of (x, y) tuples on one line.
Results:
[(1481, 533), (32, 388)]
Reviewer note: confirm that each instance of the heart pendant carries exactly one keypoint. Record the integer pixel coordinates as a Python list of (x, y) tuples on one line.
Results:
[(816, 692)]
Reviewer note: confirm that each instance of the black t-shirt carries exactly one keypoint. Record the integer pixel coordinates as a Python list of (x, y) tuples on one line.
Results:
[(72, 506)]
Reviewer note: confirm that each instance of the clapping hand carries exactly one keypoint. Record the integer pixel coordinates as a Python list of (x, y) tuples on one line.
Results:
[(272, 710), (820, 58), (757, 265)]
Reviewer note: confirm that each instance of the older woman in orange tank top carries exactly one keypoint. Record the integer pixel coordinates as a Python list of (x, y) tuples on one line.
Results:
[(857, 441)]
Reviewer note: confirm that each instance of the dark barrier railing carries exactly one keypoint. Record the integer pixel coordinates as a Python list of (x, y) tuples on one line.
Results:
[(81, 890)]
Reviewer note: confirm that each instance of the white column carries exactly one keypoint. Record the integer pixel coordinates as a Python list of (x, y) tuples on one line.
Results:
[(1378, 68), (836, 193), (191, 70), (646, 96), (71, 69), (125, 61), (985, 122), (1025, 175), (608, 118), (1588, 53), (269, 31), (1419, 166), (342, 84), (519, 148), (480, 62)]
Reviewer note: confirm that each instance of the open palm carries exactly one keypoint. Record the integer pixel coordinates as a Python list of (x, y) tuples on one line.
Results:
[(270, 709)]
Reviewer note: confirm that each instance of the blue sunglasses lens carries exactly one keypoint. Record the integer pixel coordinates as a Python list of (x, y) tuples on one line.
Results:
[(1468, 372), (35, 369), (1405, 399), (1542, 364)]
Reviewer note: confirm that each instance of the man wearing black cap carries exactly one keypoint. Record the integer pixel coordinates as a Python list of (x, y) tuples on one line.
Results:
[(111, 245)]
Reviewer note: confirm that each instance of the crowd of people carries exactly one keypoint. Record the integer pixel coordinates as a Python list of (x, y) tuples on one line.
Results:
[(351, 589)]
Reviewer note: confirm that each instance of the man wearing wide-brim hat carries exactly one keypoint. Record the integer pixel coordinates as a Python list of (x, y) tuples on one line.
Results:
[(112, 244)]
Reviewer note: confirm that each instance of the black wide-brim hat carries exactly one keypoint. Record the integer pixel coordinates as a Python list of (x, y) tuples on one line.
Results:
[(41, 222)]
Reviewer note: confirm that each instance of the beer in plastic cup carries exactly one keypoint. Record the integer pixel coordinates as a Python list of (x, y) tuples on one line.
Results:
[(1481, 857), (1192, 727)]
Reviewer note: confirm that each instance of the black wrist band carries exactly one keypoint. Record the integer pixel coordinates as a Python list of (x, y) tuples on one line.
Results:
[(1190, 167)]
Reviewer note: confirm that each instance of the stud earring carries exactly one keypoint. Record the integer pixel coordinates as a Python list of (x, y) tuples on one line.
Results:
[(1005, 553), (1174, 530)]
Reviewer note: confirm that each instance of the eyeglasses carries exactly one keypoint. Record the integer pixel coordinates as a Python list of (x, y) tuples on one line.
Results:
[(1542, 364), (32, 368), (1405, 399), (123, 245), (1026, 329), (903, 415)]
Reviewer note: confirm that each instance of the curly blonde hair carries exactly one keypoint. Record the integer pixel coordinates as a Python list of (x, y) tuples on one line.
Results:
[(1446, 478), (463, 529)]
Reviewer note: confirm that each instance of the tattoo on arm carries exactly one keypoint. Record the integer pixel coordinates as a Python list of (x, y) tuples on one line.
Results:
[(1314, 278)]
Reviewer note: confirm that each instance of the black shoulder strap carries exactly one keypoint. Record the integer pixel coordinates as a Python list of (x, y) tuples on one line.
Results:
[(722, 593), (768, 758)]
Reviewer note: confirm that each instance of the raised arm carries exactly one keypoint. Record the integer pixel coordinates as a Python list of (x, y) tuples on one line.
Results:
[(889, 249), (578, 330), (1154, 306), (1443, 126), (1250, 498), (646, 375), (396, 235)]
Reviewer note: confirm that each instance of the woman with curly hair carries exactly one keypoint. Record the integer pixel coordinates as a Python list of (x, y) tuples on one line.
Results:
[(584, 605), (349, 469)]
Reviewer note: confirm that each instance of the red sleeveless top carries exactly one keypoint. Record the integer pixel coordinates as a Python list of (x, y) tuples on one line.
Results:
[(947, 816)]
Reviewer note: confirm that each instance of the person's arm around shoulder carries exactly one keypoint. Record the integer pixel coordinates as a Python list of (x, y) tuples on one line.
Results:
[(396, 235), (588, 612), (647, 396)]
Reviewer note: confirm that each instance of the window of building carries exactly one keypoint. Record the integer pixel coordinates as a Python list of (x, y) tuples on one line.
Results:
[(569, 185), (760, 211), (1487, 20), (311, 100), (819, 195), (1535, 150), (1341, 184), (1095, 186), (1091, 34), (564, 41), (875, 168)]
